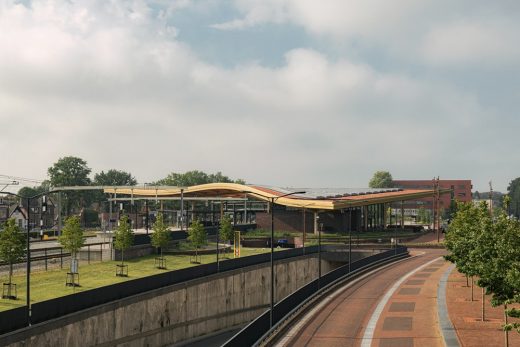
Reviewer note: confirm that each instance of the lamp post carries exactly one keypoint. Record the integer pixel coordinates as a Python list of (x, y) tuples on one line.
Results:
[(272, 200), (319, 250), (349, 238)]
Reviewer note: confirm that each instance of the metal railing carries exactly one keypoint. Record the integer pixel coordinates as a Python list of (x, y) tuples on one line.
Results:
[(259, 329)]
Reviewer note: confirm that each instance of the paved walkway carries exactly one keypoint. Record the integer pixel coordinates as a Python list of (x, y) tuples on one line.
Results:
[(466, 316)]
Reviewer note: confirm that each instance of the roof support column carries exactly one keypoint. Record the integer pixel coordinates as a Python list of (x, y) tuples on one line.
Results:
[(315, 223), (182, 209), (244, 219), (402, 214), (365, 218), (304, 227)]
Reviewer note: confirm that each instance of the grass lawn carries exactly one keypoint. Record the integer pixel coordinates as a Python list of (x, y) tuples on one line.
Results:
[(51, 284)]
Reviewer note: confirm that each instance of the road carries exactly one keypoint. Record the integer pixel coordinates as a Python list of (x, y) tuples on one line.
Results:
[(341, 319)]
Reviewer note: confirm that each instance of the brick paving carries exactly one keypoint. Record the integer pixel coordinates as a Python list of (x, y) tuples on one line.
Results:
[(466, 316), (410, 316)]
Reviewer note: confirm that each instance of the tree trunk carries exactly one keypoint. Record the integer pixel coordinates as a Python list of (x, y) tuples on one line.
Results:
[(10, 275), (472, 288), (483, 305), (122, 257), (467, 281), (506, 333)]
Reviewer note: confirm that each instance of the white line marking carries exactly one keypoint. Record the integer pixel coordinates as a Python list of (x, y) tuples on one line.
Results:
[(371, 326)]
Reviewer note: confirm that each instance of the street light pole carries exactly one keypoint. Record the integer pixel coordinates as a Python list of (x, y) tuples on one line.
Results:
[(272, 200), (319, 254), (28, 265), (272, 265), (349, 238)]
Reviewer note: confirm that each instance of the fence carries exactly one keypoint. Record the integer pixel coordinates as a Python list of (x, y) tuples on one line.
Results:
[(54, 256), (258, 328), (13, 319)]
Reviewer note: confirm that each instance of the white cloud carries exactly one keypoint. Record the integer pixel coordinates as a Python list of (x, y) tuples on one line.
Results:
[(433, 31), (111, 83), (478, 43)]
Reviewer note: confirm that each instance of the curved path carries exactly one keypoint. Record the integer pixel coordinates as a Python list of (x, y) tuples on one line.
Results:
[(398, 304)]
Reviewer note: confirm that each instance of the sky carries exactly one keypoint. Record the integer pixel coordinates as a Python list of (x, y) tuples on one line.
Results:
[(294, 93)]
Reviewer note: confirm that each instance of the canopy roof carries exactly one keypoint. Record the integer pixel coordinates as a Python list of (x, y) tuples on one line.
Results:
[(311, 198)]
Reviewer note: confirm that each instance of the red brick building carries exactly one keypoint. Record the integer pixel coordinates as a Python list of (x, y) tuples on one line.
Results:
[(461, 191)]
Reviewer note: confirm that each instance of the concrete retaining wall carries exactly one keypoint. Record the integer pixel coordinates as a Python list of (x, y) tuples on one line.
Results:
[(176, 313)]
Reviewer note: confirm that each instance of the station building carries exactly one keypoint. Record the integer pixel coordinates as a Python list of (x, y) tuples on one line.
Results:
[(292, 209)]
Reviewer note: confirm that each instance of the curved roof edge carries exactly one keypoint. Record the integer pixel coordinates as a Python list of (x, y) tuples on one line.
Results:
[(269, 193)]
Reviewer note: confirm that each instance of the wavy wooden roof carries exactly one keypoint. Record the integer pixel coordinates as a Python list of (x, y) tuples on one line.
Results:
[(339, 201)]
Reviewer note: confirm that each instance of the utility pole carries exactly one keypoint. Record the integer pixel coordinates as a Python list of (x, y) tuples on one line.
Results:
[(437, 198), (490, 197)]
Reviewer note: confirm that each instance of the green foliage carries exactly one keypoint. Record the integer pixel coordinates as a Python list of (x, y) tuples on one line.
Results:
[(12, 244), (123, 236), (28, 192), (195, 177), (470, 224), (71, 237), (489, 248), (161, 234), (111, 178), (513, 191), (381, 179), (90, 218), (421, 215), (226, 229), (114, 178), (71, 171), (197, 234)]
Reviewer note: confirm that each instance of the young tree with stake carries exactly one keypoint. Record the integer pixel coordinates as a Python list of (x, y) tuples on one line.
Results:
[(226, 229), (197, 236), (72, 239), (160, 237), (12, 249), (123, 237)]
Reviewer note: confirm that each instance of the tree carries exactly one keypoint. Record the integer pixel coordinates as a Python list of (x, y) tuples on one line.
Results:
[(468, 225), (488, 247), (12, 247), (123, 236), (195, 177), (114, 178), (29, 192), (381, 179), (71, 171), (226, 229), (513, 191), (197, 235), (71, 237), (161, 234), (72, 240), (421, 215), (499, 269)]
